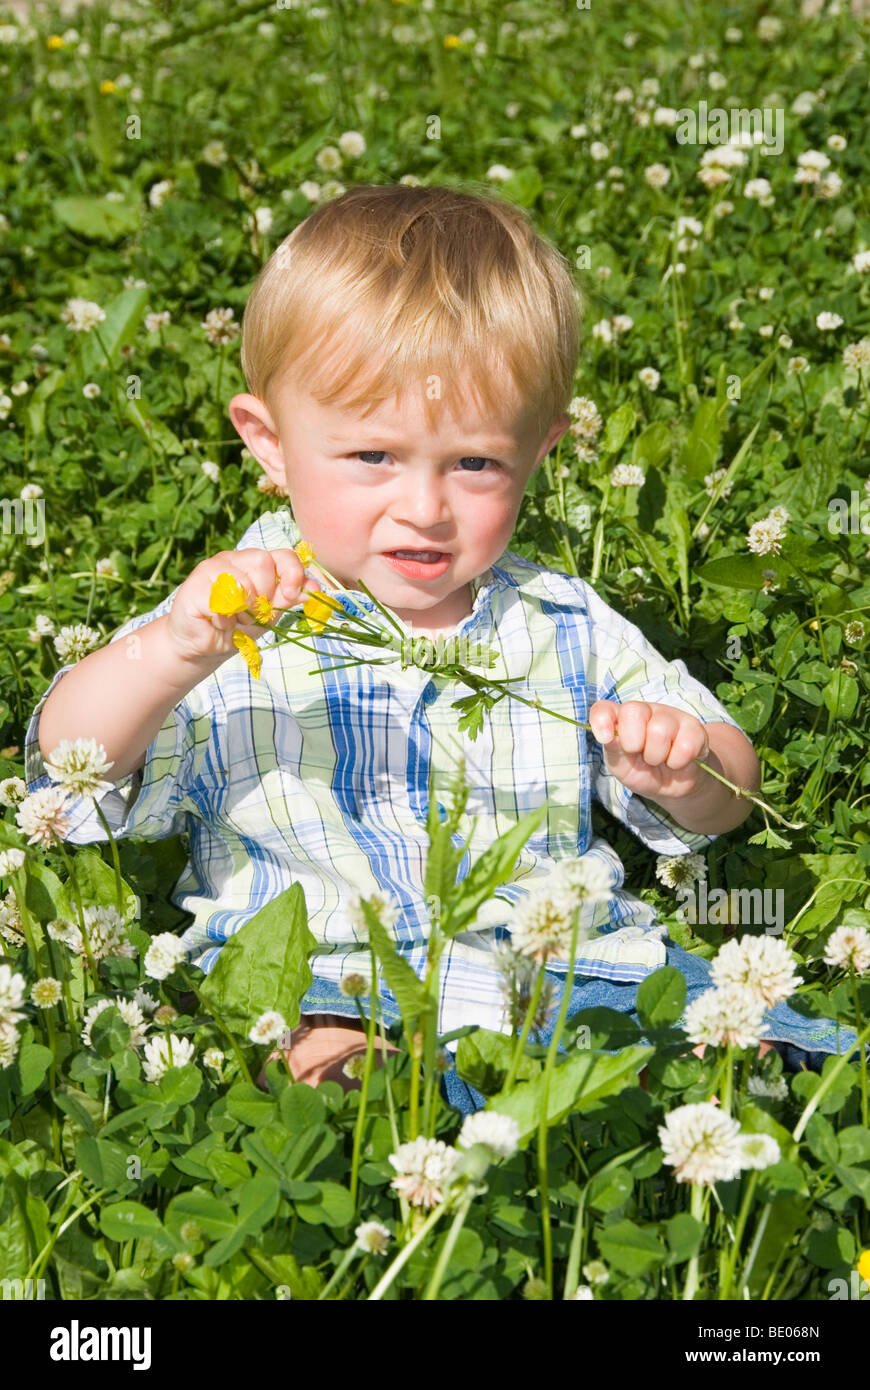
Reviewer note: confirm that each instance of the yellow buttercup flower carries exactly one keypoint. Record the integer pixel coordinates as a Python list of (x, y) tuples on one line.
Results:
[(54, 41), (227, 596), (318, 608), (107, 87), (305, 553), (452, 41), (864, 1265), (250, 651), (263, 610)]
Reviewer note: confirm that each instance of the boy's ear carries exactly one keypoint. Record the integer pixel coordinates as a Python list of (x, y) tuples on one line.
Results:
[(557, 429), (252, 420)]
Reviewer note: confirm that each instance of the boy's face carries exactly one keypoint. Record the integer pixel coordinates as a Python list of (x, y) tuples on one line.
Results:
[(361, 488)]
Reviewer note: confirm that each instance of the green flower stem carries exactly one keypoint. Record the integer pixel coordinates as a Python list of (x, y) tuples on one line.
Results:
[(575, 1254), (726, 1281), (859, 1022), (543, 1117), (73, 878), (415, 1051), (340, 1270), (760, 1228), (814, 1101), (728, 1079), (48, 1017), (697, 1210), (209, 1008), (521, 1042), (440, 1269), (404, 1256), (361, 1112), (119, 890), (19, 884), (598, 538)]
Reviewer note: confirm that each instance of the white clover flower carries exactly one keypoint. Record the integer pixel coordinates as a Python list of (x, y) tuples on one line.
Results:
[(712, 481), (42, 816), (269, 1027), (499, 1133), (836, 142), (598, 150), (665, 115), (542, 922), (701, 1143), (621, 323), (587, 421), (517, 976), (352, 143), (147, 1003), (78, 765), (11, 860), (373, 1237), (214, 153), (75, 640), (159, 192), (219, 326), (676, 869), (758, 1150), (861, 262), (813, 159), (260, 221), (5, 405), (46, 992), (129, 1011), (848, 948), (157, 320), (106, 931), (757, 189), (11, 926), (163, 955), (382, 903), (730, 1016), (13, 790), (583, 1294), (332, 189), (12, 991), (164, 1052), (827, 321), (765, 536), (650, 378), (773, 1090), (20, 388), (769, 28), (829, 185), (857, 355), (627, 475), (10, 1040), (499, 173), (213, 1058), (424, 1170), (310, 190), (328, 159), (762, 964), (81, 315), (796, 365), (584, 878), (91, 390), (211, 470), (724, 157), (657, 175)]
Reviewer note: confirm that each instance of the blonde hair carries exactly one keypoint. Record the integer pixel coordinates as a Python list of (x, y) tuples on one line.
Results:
[(388, 284)]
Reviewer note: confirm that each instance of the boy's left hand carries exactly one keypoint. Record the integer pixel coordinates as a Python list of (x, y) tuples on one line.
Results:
[(650, 748)]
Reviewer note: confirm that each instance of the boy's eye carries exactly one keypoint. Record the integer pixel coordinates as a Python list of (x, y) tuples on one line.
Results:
[(374, 455)]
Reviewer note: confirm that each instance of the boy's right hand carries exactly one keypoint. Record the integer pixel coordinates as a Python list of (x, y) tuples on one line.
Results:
[(198, 634)]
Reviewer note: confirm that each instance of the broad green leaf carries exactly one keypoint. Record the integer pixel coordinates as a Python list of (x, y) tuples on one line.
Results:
[(742, 571), (32, 1062), (630, 1248), (215, 1218), (249, 1104), (661, 997), (840, 695), (110, 1033), (483, 1059), (575, 1085), (258, 1202), (333, 1206), (607, 1191), (98, 218), (492, 869), (756, 708), (264, 965), (180, 1085), (129, 1220), (301, 1107), (97, 882), (411, 994), (685, 1234), (119, 326), (617, 429), (103, 1162)]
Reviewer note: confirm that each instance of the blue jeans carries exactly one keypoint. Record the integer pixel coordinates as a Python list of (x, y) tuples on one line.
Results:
[(799, 1040)]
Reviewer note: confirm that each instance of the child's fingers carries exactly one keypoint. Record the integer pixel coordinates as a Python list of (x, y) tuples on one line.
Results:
[(691, 742), (602, 720), (633, 719)]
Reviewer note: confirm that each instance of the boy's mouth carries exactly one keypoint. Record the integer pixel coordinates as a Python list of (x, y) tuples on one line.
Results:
[(419, 564)]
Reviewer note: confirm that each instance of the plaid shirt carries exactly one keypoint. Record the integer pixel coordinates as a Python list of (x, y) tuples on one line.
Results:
[(323, 778)]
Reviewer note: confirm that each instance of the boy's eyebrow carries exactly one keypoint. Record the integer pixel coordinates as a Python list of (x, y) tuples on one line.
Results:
[(496, 445)]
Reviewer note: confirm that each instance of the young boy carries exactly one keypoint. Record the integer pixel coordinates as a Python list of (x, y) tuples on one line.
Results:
[(410, 354)]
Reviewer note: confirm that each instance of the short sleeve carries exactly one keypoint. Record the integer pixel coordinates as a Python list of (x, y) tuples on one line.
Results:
[(623, 665), (153, 802)]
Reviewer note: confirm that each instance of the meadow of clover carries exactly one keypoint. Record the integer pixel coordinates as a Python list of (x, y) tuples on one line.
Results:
[(714, 487)]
